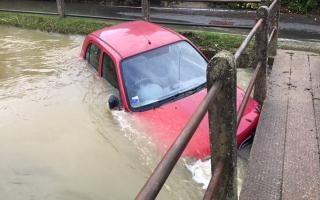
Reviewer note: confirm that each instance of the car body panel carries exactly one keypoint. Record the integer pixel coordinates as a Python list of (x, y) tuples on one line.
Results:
[(137, 36), (165, 122)]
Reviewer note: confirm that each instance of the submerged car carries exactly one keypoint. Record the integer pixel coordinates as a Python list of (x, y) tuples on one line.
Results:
[(160, 77)]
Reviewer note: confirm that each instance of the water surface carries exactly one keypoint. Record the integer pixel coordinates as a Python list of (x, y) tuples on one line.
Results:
[(59, 140)]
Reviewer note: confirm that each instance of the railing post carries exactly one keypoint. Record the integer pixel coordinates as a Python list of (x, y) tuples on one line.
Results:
[(261, 51), (61, 8), (222, 123), (274, 24), (264, 3), (145, 5)]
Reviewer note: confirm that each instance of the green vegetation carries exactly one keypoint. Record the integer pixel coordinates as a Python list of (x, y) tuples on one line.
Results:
[(53, 23), (209, 42), (289, 6), (301, 6), (216, 41), (205, 40)]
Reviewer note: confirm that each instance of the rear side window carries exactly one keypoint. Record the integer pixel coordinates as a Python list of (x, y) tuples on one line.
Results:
[(92, 55), (109, 71)]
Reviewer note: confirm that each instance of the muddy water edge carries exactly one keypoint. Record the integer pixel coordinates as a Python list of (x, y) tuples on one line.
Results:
[(58, 138)]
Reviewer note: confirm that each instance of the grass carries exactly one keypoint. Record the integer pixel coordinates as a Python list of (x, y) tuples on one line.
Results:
[(210, 42), (83, 26), (53, 23), (217, 41)]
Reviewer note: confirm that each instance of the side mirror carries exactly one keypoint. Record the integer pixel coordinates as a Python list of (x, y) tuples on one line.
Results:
[(113, 102)]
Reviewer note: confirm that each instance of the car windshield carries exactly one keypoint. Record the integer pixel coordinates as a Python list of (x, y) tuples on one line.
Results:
[(163, 73)]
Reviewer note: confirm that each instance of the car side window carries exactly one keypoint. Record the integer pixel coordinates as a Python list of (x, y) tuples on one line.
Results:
[(92, 55), (109, 71)]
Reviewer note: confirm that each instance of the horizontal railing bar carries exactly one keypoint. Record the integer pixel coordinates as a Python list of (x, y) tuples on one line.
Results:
[(224, 1), (29, 12), (201, 25), (155, 182), (214, 181), (272, 6), (247, 40), (100, 17), (67, 15), (131, 19), (247, 93), (272, 34)]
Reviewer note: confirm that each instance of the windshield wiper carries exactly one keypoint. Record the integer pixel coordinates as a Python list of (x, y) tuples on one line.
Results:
[(187, 92), (196, 89), (173, 98)]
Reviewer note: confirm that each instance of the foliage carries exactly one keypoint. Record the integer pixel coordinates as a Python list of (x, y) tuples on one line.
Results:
[(294, 6), (301, 6), (53, 23), (250, 6), (216, 41)]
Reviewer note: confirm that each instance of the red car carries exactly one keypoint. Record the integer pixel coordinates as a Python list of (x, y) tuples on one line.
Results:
[(160, 77)]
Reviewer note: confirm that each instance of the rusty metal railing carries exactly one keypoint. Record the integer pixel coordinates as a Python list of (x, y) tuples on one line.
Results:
[(145, 9), (164, 168), (261, 48), (220, 104)]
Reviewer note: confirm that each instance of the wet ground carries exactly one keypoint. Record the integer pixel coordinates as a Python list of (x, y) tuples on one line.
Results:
[(59, 140), (299, 27)]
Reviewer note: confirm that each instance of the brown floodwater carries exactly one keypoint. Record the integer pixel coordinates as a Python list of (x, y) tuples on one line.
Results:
[(58, 138)]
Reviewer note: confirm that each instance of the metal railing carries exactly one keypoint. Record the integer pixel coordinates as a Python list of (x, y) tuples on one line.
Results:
[(64, 11), (146, 10), (220, 103)]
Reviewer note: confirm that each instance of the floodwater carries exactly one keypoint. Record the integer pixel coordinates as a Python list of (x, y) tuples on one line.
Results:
[(58, 138)]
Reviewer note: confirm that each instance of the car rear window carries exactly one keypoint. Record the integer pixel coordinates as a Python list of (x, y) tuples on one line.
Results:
[(92, 55), (109, 71)]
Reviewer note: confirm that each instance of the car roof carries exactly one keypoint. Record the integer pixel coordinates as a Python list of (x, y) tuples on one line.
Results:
[(132, 38)]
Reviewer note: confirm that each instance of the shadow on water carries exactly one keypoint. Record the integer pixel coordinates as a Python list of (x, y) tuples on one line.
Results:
[(59, 140)]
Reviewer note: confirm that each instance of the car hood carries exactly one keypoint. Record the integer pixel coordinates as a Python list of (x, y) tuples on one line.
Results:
[(166, 122)]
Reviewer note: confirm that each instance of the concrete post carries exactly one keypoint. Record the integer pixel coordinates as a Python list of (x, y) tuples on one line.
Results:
[(145, 5), (264, 2), (274, 24), (61, 8), (222, 123), (261, 51)]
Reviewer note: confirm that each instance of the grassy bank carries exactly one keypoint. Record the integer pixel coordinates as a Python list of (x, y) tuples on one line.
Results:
[(209, 42), (53, 23), (206, 40)]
